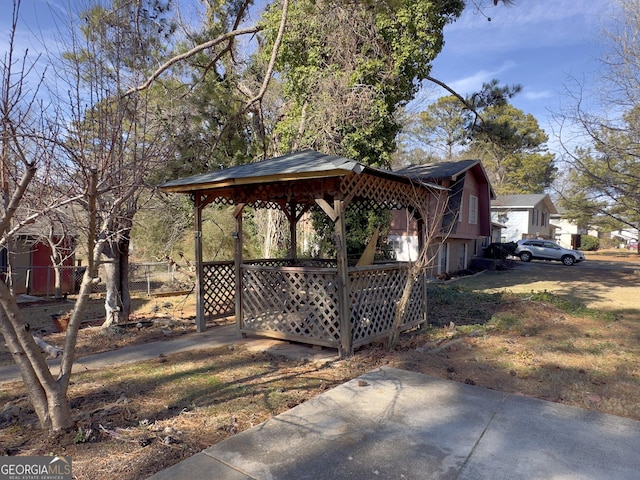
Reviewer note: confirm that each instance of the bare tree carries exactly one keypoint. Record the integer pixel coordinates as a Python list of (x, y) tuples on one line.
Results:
[(28, 152), (600, 135), (431, 210)]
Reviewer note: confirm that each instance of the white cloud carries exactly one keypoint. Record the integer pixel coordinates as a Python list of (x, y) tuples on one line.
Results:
[(473, 82), (538, 95), (527, 24)]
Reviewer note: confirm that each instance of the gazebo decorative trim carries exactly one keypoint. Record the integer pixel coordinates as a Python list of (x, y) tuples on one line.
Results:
[(317, 301)]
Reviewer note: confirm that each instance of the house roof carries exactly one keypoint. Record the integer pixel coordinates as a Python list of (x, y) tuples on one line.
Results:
[(446, 170), (523, 201), (306, 164), (438, 170), (63, 221)]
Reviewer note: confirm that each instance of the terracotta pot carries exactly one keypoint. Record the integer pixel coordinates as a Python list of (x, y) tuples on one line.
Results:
[(61, 323)]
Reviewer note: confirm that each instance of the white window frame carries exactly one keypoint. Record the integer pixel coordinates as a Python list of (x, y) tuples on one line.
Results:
[(473, 210)]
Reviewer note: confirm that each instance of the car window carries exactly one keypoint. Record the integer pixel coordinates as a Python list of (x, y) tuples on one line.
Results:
[(551, 245)]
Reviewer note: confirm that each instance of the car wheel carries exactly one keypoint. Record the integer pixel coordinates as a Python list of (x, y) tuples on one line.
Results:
[(525, 256), (568, 260)]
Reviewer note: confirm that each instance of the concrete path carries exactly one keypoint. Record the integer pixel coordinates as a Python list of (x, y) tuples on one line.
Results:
[(394, 424), (211, 338)]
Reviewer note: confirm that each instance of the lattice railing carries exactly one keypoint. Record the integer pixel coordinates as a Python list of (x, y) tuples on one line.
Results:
[(374, 294), (294, 262), (294, 303), (218, 289), (302, 303)]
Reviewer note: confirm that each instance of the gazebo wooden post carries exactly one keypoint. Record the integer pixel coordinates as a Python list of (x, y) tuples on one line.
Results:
[(346, 342), (422, 242), (293, 231), (201, 323), (237, 260)]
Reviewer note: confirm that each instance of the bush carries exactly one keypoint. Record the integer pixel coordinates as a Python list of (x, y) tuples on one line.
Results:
[(588, 243), (500, 250)]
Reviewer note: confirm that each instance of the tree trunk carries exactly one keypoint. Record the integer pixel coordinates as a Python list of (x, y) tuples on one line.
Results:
[(118, 299), (401, 308), (125, 294), (112, 281), (48, 396), (57, 275)]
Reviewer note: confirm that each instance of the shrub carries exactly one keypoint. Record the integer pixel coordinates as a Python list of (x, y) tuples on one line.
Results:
[(500, 250), (588, 243)]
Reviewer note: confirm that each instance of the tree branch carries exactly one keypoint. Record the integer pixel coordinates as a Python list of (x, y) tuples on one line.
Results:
[(197, 49)]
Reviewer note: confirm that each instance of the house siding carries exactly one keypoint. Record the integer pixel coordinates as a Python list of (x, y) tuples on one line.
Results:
[(524, 222), (465, 238)]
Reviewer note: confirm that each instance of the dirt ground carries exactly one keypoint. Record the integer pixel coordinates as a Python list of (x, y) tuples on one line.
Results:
[(564, 334)]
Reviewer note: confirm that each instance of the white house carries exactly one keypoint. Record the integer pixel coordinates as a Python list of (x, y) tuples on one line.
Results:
[(567, 232), (629, 236), (524, 216)]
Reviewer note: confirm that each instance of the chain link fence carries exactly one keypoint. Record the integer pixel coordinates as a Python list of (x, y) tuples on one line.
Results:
[(144, 278)]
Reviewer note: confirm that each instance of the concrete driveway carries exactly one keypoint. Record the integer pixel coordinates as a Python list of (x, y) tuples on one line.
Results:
[(394, 424)]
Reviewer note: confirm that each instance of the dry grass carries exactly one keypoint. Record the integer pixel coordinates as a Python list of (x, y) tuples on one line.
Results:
[(571, 344)]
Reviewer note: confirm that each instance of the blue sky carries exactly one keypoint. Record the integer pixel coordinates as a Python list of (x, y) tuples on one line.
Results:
[(538, 44)]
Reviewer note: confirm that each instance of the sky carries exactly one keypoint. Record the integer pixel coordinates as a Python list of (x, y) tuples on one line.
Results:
[(539, 44)]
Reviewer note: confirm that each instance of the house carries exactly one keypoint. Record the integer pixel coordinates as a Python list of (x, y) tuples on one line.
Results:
[(466, 224), (524, 216), (626, 237), (567, 232)]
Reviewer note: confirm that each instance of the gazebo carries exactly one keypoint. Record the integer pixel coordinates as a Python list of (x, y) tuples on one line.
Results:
[(317, 301)]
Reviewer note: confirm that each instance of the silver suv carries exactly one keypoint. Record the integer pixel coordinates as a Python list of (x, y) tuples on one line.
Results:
[(546, 250)]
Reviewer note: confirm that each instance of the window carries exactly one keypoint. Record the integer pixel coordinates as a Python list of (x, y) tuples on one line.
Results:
[(443, 253), (473, 210), (544, 219), (462, 256), (534, 217), (461, 207)]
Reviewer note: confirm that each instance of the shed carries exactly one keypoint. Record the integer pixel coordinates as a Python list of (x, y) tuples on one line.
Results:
[(317, 301)]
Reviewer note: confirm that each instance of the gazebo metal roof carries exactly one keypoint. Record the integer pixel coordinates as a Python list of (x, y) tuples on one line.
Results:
[(307, 164)]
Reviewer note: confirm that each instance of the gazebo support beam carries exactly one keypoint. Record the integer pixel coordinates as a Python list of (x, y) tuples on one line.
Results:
[(346, 342), (237, 261), (198, 206)]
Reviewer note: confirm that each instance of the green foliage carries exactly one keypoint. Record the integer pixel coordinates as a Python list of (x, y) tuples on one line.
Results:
[(83, 435), (603, 188), (442, 128), (347, 66), (512, 147), (359, 226), (568, 306), (122, 38), (160, 227), (165, 229), (504, 321), (589, 243)]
